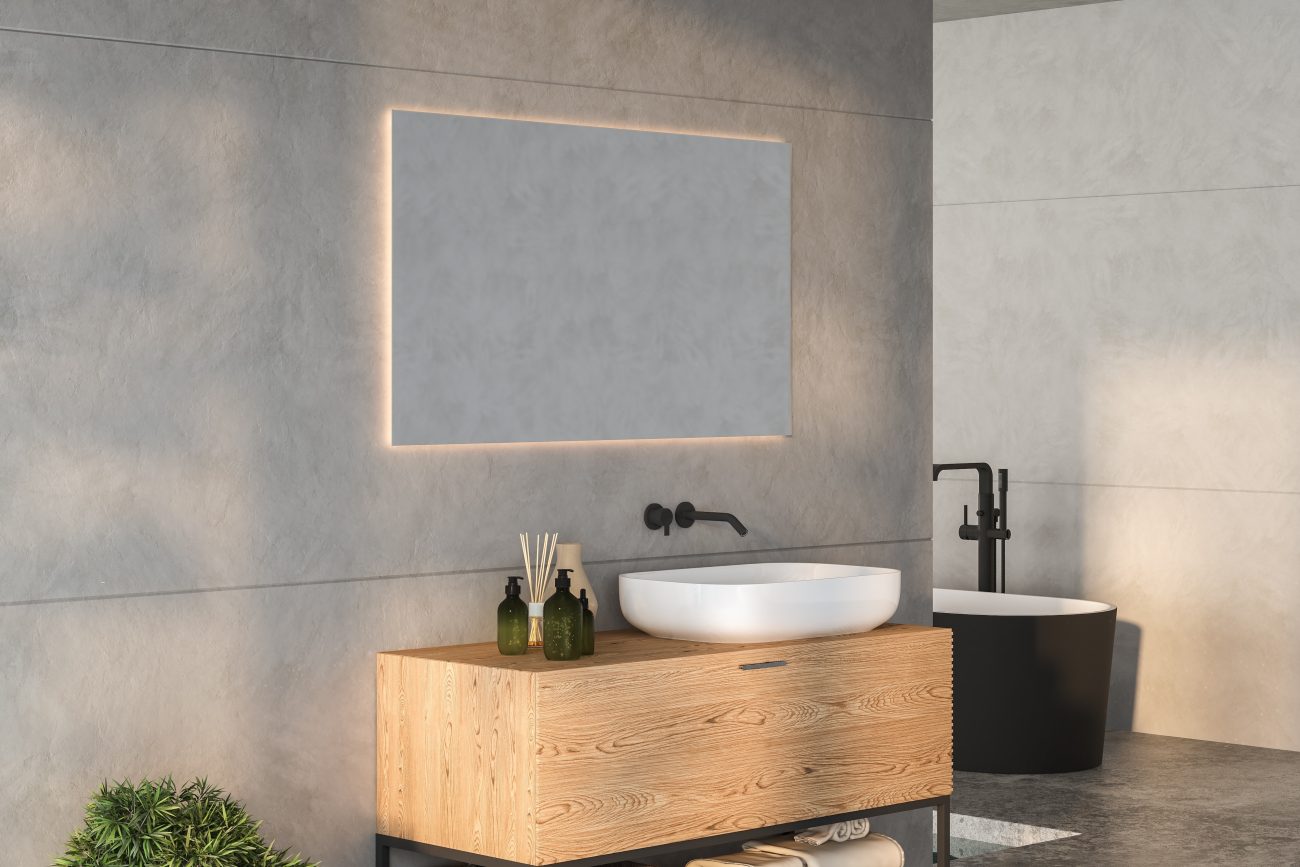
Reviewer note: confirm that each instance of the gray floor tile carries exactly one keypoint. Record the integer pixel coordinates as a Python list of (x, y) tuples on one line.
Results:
[(1154, 801)]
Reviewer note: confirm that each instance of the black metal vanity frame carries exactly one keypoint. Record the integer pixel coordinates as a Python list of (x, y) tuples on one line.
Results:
[(384, 844)]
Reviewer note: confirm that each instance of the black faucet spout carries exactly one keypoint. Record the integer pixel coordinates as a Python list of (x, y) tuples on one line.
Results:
[(984, 470), (687, 514)]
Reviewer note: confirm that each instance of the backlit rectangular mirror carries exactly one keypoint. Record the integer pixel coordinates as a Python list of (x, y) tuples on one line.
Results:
[(557, 282)]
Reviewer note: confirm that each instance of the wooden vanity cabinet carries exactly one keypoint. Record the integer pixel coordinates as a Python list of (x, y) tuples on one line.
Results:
[(653, 741)]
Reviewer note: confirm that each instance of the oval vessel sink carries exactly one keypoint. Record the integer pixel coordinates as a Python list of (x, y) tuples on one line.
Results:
[(759, 602)]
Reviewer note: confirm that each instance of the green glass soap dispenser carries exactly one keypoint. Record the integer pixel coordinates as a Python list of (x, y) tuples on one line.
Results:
[(512, 620), (562, 622), (588, 625)]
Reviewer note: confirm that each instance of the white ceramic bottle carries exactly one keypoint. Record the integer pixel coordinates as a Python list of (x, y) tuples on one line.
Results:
[(568, 555)]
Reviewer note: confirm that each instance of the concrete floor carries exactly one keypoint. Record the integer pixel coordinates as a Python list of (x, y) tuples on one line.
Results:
[(1154, 801)]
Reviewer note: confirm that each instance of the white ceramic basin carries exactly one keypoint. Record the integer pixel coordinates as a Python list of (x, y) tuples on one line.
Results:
[(762, 602)]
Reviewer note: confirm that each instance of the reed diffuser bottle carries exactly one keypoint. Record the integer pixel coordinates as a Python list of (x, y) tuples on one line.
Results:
[(538, 566), (512, 620), (562, 622), (535, 623)]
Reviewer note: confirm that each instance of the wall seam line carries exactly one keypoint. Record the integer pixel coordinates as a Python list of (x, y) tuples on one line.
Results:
[(1117, 195), (365, 579), (360, 64), (1021, 11)]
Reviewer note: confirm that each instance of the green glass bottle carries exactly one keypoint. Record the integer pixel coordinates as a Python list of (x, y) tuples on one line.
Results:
[(588, 625), (562, 622), (512, 620)]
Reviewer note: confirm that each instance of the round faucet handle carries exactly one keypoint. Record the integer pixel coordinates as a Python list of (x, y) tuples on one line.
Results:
[(685, 513), (658, 517)]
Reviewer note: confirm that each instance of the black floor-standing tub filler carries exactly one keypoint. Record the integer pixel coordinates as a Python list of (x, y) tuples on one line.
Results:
[(1031, 674)]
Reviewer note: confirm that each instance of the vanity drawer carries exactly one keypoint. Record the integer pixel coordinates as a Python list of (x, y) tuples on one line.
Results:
[(654, 741)]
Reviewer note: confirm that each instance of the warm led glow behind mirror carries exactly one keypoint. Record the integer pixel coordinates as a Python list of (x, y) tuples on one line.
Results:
[(555, 282)]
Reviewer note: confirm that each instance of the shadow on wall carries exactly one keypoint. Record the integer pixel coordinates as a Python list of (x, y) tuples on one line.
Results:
[(1124, 676)]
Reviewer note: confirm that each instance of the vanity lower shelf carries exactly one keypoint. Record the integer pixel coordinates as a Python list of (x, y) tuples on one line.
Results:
[(653, 743), (442, 857)]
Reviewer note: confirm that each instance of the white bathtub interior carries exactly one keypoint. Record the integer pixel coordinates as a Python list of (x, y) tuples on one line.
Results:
[(1010, 604)]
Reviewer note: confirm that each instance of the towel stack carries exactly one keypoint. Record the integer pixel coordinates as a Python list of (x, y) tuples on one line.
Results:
[(748, 858), (844, 844), (840, 832)]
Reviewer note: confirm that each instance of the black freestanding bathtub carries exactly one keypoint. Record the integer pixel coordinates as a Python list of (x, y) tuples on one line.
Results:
[(1031, 679)]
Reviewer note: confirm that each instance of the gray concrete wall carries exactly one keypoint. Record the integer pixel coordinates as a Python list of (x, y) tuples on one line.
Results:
[(205, 539), (1117, 320)]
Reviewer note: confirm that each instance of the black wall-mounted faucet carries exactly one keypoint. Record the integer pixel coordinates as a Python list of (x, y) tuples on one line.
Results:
[(658, 517), (686, 515), (992, 526)]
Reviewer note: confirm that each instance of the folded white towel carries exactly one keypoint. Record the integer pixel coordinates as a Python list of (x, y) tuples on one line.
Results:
[(839, 832), (874, 850), (756, 858)]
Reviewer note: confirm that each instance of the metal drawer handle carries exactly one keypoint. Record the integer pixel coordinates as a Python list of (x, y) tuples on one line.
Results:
[(752, 666)]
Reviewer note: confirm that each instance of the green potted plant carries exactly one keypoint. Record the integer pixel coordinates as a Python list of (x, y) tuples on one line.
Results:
[(154, 824)]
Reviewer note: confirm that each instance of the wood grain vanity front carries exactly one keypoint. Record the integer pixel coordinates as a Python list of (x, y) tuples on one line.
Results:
[(654, 741)]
